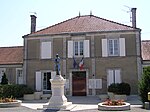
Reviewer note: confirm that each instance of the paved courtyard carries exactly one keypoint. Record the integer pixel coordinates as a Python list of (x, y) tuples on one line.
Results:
[(80, 104)]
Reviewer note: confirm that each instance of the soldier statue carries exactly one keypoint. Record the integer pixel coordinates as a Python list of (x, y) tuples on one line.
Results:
[(57, 64)]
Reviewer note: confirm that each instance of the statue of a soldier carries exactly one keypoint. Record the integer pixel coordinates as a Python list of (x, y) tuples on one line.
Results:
[(57, 64)]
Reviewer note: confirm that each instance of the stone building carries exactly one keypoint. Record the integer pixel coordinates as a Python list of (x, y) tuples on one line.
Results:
[(11, 62), (94, 52)]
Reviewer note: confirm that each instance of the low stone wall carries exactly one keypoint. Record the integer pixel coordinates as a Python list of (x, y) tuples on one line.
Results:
[(113, 108), (11, 104)]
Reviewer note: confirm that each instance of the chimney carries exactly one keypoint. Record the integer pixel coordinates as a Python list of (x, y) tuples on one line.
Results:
[(33, 23), (133, 10)]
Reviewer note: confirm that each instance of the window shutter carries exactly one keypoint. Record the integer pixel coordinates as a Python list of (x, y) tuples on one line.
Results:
[(38, 81), (70, 49), (86, 48), (98, 83), (110, 77), (46, 50), (117, 76), (122, 47), (104, 48), (53, 74), (91, 84)]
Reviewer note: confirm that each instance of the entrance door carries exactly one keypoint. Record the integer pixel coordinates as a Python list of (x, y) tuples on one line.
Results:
[(46, 82), (79, 83)]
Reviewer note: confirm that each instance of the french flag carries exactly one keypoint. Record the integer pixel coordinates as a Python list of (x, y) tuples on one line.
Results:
[(81, 64)]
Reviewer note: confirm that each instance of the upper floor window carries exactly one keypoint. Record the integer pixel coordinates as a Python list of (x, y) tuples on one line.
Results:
[(78, 48), (113, 47), (46, 50)]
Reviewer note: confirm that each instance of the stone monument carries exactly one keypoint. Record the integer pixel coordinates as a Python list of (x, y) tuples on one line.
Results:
[(58, 101)]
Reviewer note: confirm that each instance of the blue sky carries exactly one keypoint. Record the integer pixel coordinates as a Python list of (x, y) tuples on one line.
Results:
[(15, 15)]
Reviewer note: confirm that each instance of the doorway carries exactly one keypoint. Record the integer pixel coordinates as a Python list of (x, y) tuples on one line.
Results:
[(79, 83), (46, 82)]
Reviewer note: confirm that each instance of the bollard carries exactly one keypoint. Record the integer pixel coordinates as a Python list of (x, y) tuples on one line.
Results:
[(146, 105)]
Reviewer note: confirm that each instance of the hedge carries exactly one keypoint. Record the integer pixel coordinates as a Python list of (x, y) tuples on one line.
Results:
[(120, 88), (14, 90)]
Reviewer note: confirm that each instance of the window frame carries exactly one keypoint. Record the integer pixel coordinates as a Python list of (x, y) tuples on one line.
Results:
[(78, 49), (115, 50), (114, 76)]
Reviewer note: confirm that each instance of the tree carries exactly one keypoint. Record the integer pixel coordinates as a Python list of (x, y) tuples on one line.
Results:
[(4, 79), (144, 84)]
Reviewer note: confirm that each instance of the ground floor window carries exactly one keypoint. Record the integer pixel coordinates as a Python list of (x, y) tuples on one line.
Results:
[(46, 81), (2, 70), (19, 76), (42, 80), (113, 76)]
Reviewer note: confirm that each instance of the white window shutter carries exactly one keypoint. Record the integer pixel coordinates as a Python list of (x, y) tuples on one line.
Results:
[(104, 48), (46, 50), (86, 48), (38, 81), (117, 76), (98, 83), (70, 49), (122, 47), (110, 77), (91, 84), (53, 74)]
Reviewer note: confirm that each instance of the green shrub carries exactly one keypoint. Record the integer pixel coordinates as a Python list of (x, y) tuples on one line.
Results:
[(120, 88), (144, 84), (16, 91)]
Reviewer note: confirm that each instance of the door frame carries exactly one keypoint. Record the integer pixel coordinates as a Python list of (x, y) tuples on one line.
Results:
[(87, 82)]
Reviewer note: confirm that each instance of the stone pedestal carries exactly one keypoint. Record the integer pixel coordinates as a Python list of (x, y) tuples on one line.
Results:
[(58, 101)]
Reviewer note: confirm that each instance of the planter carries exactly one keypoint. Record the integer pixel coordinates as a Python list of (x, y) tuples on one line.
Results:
[(28, 97), (113, 108), (37, 95), (17, 103), (121, 97)]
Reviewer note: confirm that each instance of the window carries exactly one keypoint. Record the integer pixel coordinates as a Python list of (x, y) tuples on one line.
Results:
[(2, 70), (113, 76), (113, 47), (19, 77), (78, 48), (45, 50)]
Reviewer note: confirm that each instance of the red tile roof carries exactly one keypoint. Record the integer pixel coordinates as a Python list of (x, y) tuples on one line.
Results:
[(11, 55), (146, 50), (88, 23)]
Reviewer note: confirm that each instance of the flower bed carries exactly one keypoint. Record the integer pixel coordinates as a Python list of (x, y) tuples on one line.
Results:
[(114, 105), (9, 102)]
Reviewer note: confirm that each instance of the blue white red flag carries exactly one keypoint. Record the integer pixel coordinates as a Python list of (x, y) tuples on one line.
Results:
[(81, 64)]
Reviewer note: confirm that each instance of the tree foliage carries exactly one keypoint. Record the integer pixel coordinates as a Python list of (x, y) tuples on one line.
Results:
[(144, 84), (4, 79)]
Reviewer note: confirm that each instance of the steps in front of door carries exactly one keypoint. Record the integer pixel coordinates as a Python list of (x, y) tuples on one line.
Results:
[(46, 96)]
